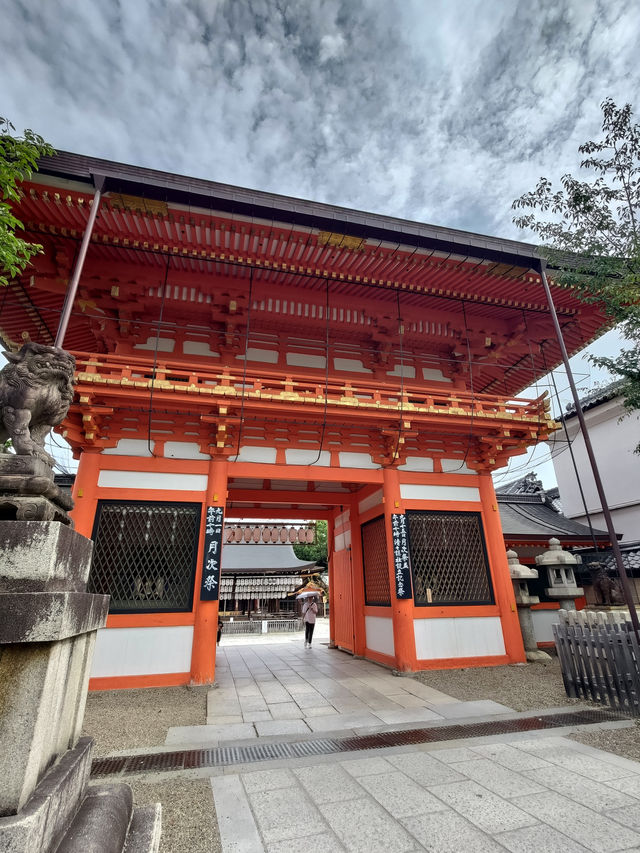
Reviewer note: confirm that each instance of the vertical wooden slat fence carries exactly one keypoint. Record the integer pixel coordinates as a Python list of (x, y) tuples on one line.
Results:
[(600, 658)]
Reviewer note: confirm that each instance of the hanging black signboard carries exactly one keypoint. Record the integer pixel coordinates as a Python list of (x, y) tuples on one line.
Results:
[(401, 560), (211, 561)]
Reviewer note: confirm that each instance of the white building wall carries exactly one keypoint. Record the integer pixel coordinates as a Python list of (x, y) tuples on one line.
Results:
[(142, 651), (458, 637), (379, 633), (613, 443)]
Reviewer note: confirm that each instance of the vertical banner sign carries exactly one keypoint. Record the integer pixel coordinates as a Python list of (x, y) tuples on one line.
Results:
[(211, 562), (401, 561)]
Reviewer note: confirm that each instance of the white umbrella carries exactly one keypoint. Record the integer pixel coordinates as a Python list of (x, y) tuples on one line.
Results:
[(308, 593)]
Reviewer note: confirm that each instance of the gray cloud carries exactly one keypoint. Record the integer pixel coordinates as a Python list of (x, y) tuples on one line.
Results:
[(438, 111)]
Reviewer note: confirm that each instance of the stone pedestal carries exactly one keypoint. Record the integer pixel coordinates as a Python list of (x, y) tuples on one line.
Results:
[(520, 575), (48, 624), (28, 493)]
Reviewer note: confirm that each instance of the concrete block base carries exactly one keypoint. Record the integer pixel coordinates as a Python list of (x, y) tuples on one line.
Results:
[(66, 814)]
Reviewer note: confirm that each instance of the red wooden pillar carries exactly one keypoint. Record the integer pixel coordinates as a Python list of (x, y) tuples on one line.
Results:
[(331, 547), (357, 583), (401, 609), (205, 629), (502, 584), (85, 493)]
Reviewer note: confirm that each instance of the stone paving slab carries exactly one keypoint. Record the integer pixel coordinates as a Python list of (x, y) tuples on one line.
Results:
[(424, 798)]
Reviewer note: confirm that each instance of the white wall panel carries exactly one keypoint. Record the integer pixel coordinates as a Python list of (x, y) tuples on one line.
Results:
[(417, 492), (462, 637), (249, 453), (267, 356), (184, 450), (379, 633), (198, 348), (455, 466), (374, 499), (130, 447), (356, 460), (296, 456), (161, 344), (142, 651), (417, 463), (301, 359), (153, 480)]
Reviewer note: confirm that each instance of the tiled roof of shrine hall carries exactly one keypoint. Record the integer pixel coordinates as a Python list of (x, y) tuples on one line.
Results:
[(531, 518), (261, 558)]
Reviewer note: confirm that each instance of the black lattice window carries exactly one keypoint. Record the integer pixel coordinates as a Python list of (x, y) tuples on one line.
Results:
[(449, 558), (376, 566), (144, 555)]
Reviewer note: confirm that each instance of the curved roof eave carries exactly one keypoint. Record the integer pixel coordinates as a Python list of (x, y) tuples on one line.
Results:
[(165, 186)]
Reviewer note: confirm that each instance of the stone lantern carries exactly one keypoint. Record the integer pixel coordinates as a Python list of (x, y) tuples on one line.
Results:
[(560, 574), (520, 575)]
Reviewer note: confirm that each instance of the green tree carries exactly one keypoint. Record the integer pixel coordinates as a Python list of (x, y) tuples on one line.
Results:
[(591, 234), (315, 551), (18, 160)]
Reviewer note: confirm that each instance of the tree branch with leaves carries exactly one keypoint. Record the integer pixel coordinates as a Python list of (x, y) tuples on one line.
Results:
[(19, 157), (590, 234)]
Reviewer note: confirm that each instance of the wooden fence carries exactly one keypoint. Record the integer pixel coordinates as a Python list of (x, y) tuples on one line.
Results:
[(600, 658)]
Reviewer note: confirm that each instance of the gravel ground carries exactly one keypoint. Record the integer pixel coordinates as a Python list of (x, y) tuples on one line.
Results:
[(527, 688), (189, 823), (126, 719), (523, 688)]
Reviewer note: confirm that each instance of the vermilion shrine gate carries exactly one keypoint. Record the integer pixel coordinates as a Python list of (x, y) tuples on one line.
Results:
[(276, 358)]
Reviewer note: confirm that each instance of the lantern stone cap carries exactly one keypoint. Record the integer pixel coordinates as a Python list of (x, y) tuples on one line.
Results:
[(555, 555), (517, 570)]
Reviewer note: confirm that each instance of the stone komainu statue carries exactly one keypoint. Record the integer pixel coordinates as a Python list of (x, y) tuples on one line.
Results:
[(36, 389)]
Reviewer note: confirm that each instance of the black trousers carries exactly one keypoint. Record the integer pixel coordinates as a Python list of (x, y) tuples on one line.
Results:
[(308, 631)]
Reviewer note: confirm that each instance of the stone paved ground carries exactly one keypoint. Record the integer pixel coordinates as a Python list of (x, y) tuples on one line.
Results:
[(540, 792)]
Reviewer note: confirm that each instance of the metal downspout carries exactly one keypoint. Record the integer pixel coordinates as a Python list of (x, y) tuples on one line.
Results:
[(70, 296), (622, 572)]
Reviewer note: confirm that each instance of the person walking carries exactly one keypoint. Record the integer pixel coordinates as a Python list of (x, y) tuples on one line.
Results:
[(309, 613)]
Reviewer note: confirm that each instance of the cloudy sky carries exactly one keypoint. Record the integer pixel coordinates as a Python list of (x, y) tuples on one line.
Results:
[(436, 110), (441, 111)]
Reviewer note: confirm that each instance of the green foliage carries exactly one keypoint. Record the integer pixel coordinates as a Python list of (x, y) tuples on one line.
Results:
[(317, 551), (18, 161), (592, 238)]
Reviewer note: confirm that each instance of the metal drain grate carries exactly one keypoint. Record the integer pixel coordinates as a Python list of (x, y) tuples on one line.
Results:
[(223, 756)]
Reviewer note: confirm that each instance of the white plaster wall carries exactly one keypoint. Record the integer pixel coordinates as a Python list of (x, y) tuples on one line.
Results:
[(417, 463), (301, 359), (613, 445), (343, 540), (343, 518), (374, 499), (183, 450), (542, 622), (296, 456), (356, 460), (417, 492), (152, 480), (455, 466), (267, 356), (436, 375), (405, 370), (142, 651), (379, 633), (352, 365), (250, 453), (462, 637), (130, 447), (161, 344), (198, 348)]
